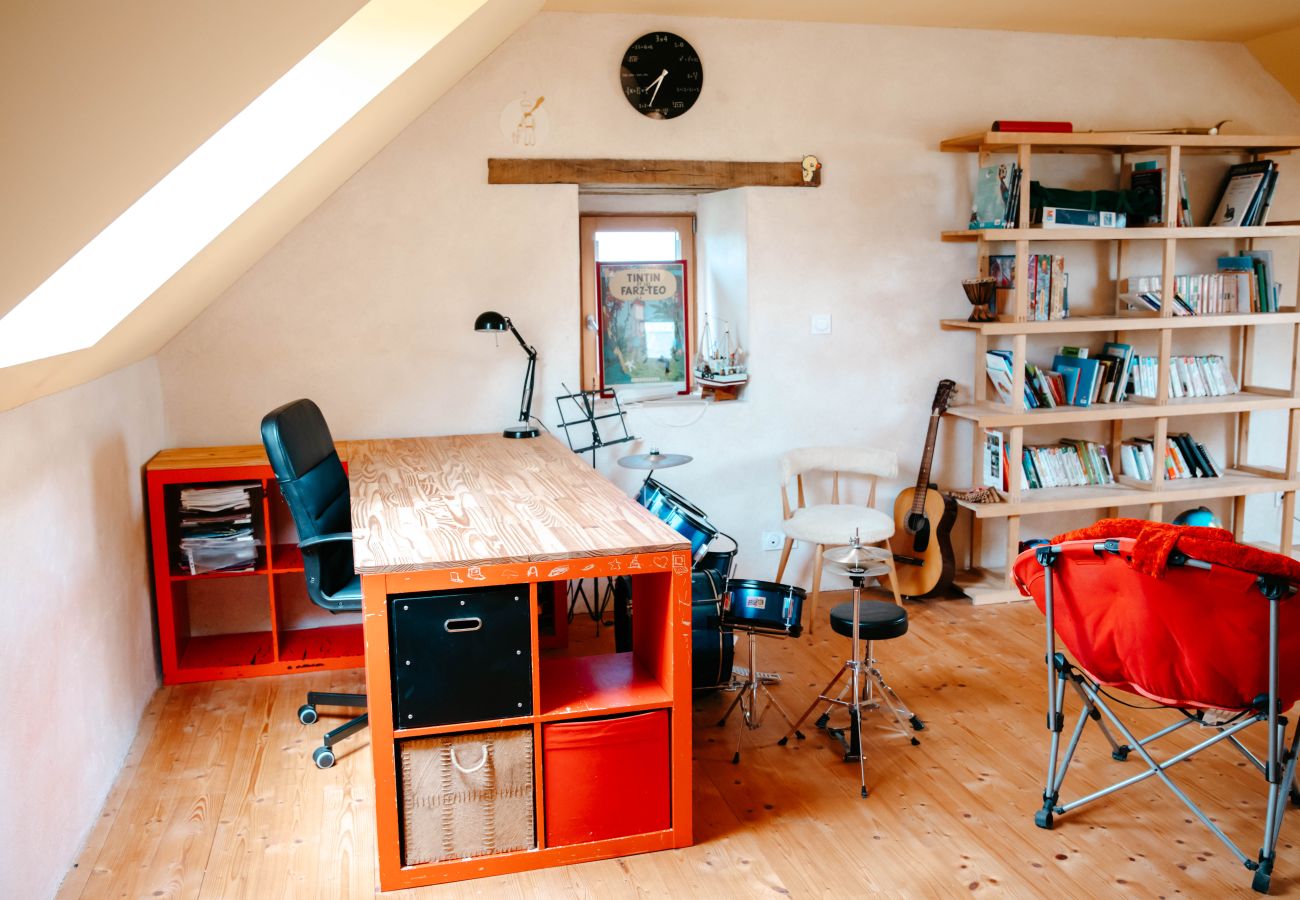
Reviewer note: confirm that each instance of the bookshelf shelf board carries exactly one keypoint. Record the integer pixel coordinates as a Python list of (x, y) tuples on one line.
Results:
[(578, 687), (1084, 233), (997, 415), (1117, 142), (1232, 483), (1135, 322)]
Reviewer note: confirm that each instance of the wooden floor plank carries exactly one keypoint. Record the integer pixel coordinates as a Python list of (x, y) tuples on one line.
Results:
[(219, 797)]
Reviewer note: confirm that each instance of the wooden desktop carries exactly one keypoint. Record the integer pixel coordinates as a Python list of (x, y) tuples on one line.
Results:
[(453, 513)]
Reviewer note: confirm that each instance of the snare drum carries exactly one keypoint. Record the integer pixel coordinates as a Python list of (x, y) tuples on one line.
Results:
[(764, 606), (678, 514)]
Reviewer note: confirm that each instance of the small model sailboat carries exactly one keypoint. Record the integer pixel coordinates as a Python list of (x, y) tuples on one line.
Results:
[(720, 365)]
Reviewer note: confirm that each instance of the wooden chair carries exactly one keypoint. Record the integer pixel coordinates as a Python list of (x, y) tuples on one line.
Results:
[(832, 524)]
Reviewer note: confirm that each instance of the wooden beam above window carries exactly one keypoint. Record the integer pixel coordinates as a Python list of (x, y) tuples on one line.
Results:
[(650, 175)]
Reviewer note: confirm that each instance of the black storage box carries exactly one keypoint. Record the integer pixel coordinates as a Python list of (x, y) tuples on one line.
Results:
[(461, 656)]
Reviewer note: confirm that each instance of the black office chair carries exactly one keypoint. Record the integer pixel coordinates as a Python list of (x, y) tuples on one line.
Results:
[(313, 482)]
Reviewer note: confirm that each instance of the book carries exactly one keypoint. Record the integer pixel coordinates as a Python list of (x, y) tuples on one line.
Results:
[(1002, 269), (994, 453), (1043, 290), (1147, 185), (1060, 217), (1241, 191), (1032, 125), (992, 196)]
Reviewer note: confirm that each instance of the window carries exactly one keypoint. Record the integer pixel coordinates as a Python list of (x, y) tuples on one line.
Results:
[(621, 238)]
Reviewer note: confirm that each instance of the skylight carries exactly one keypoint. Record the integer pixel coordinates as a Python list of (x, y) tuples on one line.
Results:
[(171, 223)]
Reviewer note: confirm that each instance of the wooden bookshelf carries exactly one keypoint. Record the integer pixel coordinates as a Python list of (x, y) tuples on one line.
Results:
[(1013, 329)]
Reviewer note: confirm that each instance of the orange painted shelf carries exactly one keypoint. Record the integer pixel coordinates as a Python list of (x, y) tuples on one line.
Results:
[(578, 687), (286, 558), (188, 657), (326, 642), (217, 651)]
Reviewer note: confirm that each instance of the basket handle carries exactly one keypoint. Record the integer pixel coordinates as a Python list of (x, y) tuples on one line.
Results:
[(464, 771)]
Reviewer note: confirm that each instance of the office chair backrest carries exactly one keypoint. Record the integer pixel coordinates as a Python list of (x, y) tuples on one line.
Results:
[(311, 477)]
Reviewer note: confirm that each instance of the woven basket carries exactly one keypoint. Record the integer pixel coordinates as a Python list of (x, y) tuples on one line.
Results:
[(467, 795)]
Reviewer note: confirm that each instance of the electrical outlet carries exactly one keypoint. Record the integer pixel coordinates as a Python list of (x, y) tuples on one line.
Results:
[(772, 540)]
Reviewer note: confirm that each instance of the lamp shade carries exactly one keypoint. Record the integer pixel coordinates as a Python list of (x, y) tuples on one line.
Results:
[(491, 321)]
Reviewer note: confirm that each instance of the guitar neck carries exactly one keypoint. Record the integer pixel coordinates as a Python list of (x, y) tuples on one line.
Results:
[(923, 476)]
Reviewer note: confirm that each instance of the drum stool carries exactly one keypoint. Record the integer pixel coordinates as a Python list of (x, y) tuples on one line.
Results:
[(863, 621)]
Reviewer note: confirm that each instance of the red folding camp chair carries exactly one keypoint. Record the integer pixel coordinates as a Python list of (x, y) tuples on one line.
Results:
[(1162, 613)]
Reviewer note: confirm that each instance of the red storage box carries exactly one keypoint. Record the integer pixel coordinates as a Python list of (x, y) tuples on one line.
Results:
[(606, 778)]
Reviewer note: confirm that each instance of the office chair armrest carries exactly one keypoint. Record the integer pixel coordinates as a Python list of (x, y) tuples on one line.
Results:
[(312, 542)]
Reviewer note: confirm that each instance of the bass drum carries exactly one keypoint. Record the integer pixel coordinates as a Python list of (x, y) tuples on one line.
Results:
[(713, 647)]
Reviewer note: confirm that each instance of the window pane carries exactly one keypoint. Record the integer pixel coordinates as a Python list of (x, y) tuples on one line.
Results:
[(637, 246)]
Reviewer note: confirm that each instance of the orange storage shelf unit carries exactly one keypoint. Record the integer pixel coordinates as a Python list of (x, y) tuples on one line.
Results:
[(268, 649)]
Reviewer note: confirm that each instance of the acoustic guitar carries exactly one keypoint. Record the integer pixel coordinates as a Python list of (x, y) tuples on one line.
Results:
[(923, 520)]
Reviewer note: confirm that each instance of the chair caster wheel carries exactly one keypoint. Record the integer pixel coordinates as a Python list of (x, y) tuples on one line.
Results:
[(785, 740), (323, 757), (915, 742), (735, 758), (917, 724), (822, 720), (1121, 754), (1043, 819), (307, 714), (1260, 882)]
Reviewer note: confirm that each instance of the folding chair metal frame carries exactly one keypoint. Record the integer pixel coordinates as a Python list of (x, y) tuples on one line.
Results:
[(1278, 767)]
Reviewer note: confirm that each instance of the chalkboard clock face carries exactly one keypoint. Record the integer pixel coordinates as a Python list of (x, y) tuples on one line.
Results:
[(661, 75)]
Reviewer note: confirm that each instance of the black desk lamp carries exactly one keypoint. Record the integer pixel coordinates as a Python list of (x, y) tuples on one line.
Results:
[(495, 322)]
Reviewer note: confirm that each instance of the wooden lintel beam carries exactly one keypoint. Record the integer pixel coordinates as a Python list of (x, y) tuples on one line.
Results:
[(650, 174)]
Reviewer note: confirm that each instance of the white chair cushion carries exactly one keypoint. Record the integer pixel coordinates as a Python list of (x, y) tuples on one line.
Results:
[(835, 524)]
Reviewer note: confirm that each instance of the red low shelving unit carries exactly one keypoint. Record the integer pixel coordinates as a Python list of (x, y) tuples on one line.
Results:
[(270, 650)]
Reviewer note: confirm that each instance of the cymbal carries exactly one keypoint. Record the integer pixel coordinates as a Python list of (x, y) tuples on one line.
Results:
[(856, 570), (855, 555), (654, 460)]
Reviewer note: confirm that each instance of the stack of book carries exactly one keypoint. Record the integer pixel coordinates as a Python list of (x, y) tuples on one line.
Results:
[(1189, 376), (1048, 284), (1147, 179), (1076, 377), (1184, 457), (1246, 195), (997, 197), (1244, 283), (1069, 463), (216, 529)]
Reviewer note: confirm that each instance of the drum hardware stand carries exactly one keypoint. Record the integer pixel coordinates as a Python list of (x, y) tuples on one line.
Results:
[(747, 699), (585, 401), (742, 674), (867, 685)]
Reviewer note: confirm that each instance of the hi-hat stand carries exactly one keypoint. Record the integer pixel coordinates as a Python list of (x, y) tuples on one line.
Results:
[(866, 685)]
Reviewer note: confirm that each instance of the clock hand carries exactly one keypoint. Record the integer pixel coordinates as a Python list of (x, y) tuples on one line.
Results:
[(657, 83)]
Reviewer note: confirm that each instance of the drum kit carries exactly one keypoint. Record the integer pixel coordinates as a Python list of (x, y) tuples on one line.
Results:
[(722, 605)]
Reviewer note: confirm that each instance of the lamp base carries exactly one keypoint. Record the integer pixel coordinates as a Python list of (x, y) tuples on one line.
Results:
[(521, 430)]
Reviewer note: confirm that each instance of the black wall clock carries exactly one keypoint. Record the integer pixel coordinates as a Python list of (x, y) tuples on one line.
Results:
[(661, 75)]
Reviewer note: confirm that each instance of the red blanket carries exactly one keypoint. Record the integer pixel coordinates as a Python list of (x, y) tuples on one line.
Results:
[(1155, 541)]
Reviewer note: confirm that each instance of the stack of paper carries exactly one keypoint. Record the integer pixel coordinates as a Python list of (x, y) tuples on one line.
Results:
[(216, 529)]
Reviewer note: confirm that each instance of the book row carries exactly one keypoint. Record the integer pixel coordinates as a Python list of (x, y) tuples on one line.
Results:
[(1076, 378), (1244, 283), (1189, 376), (1049, 283), (1068, 463), (1184, 457)]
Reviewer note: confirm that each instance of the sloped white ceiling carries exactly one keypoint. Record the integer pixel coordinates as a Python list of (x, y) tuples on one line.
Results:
[(102, 100)]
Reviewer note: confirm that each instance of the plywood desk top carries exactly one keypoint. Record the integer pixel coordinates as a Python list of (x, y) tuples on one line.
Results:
[(464, 500)]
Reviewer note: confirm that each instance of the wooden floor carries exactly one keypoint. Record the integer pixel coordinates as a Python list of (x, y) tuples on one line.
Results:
[(219, 797)]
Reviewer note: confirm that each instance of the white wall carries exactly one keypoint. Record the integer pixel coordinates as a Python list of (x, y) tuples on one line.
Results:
[(76, 656), (367, 305)]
